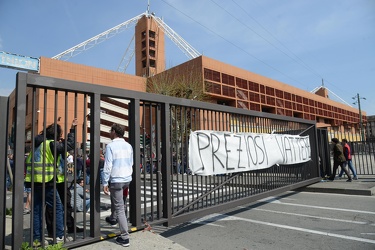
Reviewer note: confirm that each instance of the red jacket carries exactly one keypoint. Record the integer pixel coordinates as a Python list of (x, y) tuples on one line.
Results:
[(348, 155)]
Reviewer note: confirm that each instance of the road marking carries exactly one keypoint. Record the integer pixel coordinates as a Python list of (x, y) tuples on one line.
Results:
[(316, 217), (277, 201), (326, 208), (217, 217)]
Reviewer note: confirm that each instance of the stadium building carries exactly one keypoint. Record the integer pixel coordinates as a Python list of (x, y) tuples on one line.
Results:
[(223, 83)]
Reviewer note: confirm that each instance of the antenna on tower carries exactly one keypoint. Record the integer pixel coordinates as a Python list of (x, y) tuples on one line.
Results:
[(148, 7), (322, 82)]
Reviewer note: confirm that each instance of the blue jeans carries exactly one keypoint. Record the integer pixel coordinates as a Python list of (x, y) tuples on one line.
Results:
[(87, 178), (350, 165), (38, 211), (87, 204), (79, 173), (101, 173)]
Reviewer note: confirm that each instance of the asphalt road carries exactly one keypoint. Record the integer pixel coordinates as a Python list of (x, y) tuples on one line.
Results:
[(293, 220)]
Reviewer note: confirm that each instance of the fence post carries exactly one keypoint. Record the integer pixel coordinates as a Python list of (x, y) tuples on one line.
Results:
[(94, 162), (19, 161), (4, 105), (135, 185), (166, 161)]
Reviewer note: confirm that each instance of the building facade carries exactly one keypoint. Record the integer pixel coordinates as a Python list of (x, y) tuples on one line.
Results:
[(223, 83)]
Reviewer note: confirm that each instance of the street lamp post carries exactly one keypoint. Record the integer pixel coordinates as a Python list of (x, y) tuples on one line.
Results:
[(360, 114)]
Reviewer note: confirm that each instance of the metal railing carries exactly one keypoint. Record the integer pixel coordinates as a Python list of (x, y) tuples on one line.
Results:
[(163, 190)]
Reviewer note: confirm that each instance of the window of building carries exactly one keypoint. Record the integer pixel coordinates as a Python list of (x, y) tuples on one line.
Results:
[(225, 102), (152, 52), (212, 75), (241, 83), (254, 86), (151, 33), (288, 113), (262, 99), (270, 100), (213, 88), (287, 96), (241, 94), (254, 97), (254, 106), (227, 79), (152, 43), (270, 91), (242, 104), (267, 109), (297, 114), (288, 105), (262, 88), (298, 99), (152, 63), (279, 93), (305, 101), (279, 102), (299, 107), (228, 91)]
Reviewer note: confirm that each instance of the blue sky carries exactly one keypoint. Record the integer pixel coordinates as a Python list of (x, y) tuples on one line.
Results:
[(292, 41)]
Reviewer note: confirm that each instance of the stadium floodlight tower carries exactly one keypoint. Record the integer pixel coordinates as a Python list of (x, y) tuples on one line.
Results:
[(149, 44)]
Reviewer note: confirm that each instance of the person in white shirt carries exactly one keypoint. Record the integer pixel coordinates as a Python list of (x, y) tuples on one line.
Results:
[(117, 175)]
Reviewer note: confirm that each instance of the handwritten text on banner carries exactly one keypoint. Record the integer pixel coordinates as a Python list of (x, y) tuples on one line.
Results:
[(213, 152)]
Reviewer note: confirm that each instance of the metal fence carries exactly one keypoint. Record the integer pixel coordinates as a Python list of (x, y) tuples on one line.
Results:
[(363, 152), (163, 190)]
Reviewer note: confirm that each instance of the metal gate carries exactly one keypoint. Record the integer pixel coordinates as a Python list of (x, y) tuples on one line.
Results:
[(163, 190)]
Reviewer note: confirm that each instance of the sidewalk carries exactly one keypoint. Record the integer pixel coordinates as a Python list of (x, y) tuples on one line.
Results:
[(149, 240), (363, 186), (138, 240)]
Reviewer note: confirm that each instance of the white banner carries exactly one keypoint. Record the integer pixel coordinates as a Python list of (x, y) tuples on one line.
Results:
[(213, 152)]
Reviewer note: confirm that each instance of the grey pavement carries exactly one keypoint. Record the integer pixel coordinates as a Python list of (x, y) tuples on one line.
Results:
[(143, 239), (365, 185), (150, 239)]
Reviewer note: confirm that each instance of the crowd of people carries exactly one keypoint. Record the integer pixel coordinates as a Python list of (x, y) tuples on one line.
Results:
[(45, 169)]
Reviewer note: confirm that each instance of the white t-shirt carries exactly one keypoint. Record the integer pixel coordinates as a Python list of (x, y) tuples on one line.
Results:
[(70, 159)]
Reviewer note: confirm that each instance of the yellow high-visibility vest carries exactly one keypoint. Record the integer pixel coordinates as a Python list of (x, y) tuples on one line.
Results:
[(43, 165)]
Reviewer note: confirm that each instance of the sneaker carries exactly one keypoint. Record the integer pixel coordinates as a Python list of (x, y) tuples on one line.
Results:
[(110, 221), (349, 180), (122, 242), (63, 239), (26, 211), (355, 178), (37, 244)]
